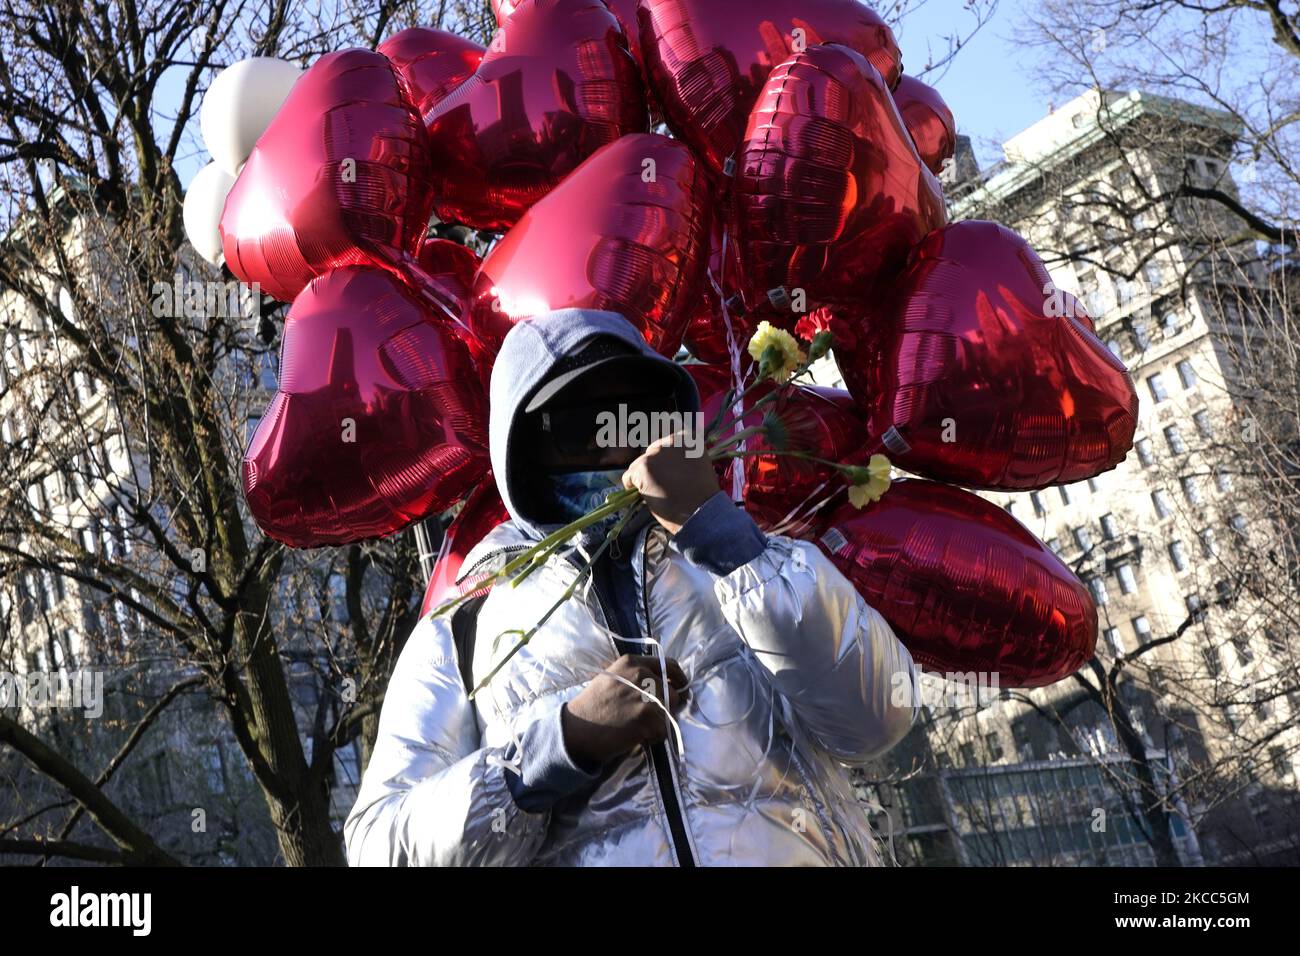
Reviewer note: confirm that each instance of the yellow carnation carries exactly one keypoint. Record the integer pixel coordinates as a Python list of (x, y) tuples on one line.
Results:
[(776, 351), (869, 483)]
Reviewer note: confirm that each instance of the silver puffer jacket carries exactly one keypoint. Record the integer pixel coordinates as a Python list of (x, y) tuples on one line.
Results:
[(792, 676)]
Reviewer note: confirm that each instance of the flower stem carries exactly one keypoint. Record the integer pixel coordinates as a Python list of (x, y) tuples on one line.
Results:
[(583, 574)]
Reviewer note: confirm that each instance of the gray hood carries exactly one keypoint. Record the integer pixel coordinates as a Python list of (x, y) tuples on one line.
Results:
[(528, 355)]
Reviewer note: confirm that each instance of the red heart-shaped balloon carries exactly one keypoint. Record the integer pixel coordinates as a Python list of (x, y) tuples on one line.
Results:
[(979, 372), (830, 195), (431, 63), (706, 60), (557, 83), (928, 120), (338, 178), (452, 266), (624, 10), (482, 512), (965, 587), (379, 419), (783, 493), (624, 232)]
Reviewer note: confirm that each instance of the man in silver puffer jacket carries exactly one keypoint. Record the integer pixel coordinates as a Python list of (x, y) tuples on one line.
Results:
[(777, 674)]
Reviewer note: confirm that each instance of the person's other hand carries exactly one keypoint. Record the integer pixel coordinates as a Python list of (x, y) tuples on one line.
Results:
[(609, 718), (674, 479)]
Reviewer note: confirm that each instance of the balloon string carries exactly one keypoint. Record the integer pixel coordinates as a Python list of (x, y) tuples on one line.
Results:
[(407, 266), (737, 384)]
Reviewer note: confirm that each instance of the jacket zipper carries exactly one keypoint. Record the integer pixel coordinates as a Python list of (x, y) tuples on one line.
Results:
[(658, 752), (660, 758)]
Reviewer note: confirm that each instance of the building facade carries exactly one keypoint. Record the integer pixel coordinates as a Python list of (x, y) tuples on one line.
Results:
[(1199, 765)]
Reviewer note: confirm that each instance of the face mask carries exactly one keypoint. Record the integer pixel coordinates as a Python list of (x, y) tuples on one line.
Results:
[(581, 492)]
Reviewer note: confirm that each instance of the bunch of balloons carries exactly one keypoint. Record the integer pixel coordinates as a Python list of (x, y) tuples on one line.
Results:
[(799, 185)]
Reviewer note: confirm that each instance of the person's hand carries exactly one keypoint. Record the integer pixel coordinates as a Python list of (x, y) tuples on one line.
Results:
[(609, 718), (674, 479)]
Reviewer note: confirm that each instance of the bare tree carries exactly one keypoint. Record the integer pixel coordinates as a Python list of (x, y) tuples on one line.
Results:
[(126, 417)]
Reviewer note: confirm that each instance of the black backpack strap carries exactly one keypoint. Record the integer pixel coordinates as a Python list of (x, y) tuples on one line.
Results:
[(464, 625)]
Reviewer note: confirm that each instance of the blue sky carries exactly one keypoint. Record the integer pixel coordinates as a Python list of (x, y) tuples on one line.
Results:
[(989, 85)]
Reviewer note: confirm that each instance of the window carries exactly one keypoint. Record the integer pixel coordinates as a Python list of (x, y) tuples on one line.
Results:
[(1209, 544), (1141, 629), (1115, 348), (1222, 479), (1190, 490), (967, 751), (1127, 579), (1010, 508), (1065, 495), (1212, 661), (1157, 386), (1140, 337), (1174, 439), (1223, 591), (1195, 606), (1145, 453), (1160, 499), (1155, 274), (211, 759), (1082, 538), (1115, 641), (1187, 374), (994, 746), (1092, 485), (1054, 544), (51, 590), (1204, 424), (1280, 760), (1024, 740), (1036, 499), (1242, 648), (1238, 523), (1098, 588), (1109, 527), (1178, 555), (1170, 323)]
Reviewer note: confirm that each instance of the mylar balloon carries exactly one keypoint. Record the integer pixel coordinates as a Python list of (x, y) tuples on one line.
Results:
[(624, 232), (379, 419), (432, 63), (624, 10), (784, 494), (830, 195), (706, 60), (977, 370), (338, 178), (239, 106), (201, 213), (928, 120), (557, 83), (965, 587), (483, 511), (451, 265)]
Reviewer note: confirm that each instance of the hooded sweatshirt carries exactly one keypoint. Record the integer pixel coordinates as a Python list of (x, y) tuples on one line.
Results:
[(719, 536)]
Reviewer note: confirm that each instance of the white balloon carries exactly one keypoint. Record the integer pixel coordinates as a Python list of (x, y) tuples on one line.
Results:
[(204, 201), (240, 104)]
